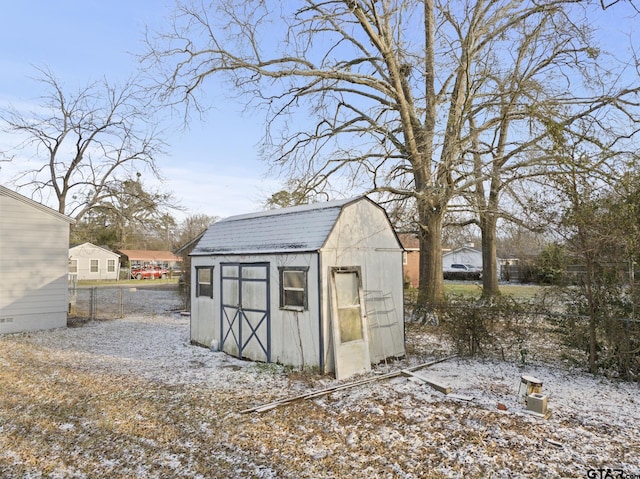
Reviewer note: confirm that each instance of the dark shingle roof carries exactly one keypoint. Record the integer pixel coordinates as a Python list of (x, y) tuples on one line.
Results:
[(296, 229)]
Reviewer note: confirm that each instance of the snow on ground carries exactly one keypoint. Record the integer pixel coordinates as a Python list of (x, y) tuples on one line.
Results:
[(155, 348), (398, 427), (154, 345)]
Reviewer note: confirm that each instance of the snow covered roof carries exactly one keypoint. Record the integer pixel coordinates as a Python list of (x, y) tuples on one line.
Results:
[(297, 229)]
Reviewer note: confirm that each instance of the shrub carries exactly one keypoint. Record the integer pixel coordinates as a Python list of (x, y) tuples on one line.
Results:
[(484, 326)]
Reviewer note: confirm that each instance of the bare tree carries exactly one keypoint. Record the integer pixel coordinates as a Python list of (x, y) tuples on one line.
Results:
[(545, 78), (192, 226), (296, 191), (84, 142), (384, 90)]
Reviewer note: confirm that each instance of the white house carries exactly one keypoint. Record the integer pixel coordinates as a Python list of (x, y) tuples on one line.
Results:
[(34, 249), (88, 261), (316, 286), (466, 255)]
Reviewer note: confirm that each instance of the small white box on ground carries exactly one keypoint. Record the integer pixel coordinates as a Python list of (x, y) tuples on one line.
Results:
[(537, 402)]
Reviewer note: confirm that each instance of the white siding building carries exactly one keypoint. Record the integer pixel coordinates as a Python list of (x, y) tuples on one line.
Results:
[(34, 249), (467, 256), (316, 286), (88, 261)]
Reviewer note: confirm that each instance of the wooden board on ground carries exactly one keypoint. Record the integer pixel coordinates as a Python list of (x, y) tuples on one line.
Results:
[(462, 397), (433, 384), (338, 387)]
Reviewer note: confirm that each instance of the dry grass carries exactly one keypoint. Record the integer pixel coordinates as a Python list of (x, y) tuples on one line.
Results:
[(65, 421), (474, 289), (63, 418)]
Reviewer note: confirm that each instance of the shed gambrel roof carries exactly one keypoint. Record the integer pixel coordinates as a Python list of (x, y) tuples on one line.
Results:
[(297, 229)]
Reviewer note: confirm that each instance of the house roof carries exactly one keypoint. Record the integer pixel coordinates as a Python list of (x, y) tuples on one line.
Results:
[(297, 229), (468, 249), (149, 255), (88, 245), (4, 191), (409, 241)]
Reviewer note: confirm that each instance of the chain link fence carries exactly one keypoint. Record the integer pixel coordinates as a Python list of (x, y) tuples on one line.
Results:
[(113, 302)]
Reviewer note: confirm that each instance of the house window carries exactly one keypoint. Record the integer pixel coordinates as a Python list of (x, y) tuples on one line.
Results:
[(73, 266), (111, 266), (94, 266), (405, 257), (204, 282), (293, 288)]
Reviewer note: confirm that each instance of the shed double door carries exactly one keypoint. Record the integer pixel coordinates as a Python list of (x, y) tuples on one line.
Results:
[(245, 323)]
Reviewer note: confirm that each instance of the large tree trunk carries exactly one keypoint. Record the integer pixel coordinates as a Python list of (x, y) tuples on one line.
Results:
[(488, 224), (431, 292)]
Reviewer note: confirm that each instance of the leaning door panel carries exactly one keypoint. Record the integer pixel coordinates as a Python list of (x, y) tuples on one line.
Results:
[(349, 323)]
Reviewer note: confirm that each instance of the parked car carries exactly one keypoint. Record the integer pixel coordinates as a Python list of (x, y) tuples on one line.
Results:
[(149, 272), (462, 271)]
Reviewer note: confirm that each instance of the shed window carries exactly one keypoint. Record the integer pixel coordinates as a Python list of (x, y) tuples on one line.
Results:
[(73, 266), (94, 265), (293, 288), (111, 265), (204, 282)]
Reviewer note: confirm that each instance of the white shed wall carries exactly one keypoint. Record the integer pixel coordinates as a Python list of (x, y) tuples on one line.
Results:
[(295, 335), (205, 312), (363, 237), (34, 247)]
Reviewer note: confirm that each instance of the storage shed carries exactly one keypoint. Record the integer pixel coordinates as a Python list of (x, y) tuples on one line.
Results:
[(316, 286), (34, 260), (90, 262)]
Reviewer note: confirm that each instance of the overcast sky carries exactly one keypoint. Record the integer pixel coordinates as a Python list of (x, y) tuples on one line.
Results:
[(214, 168)]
